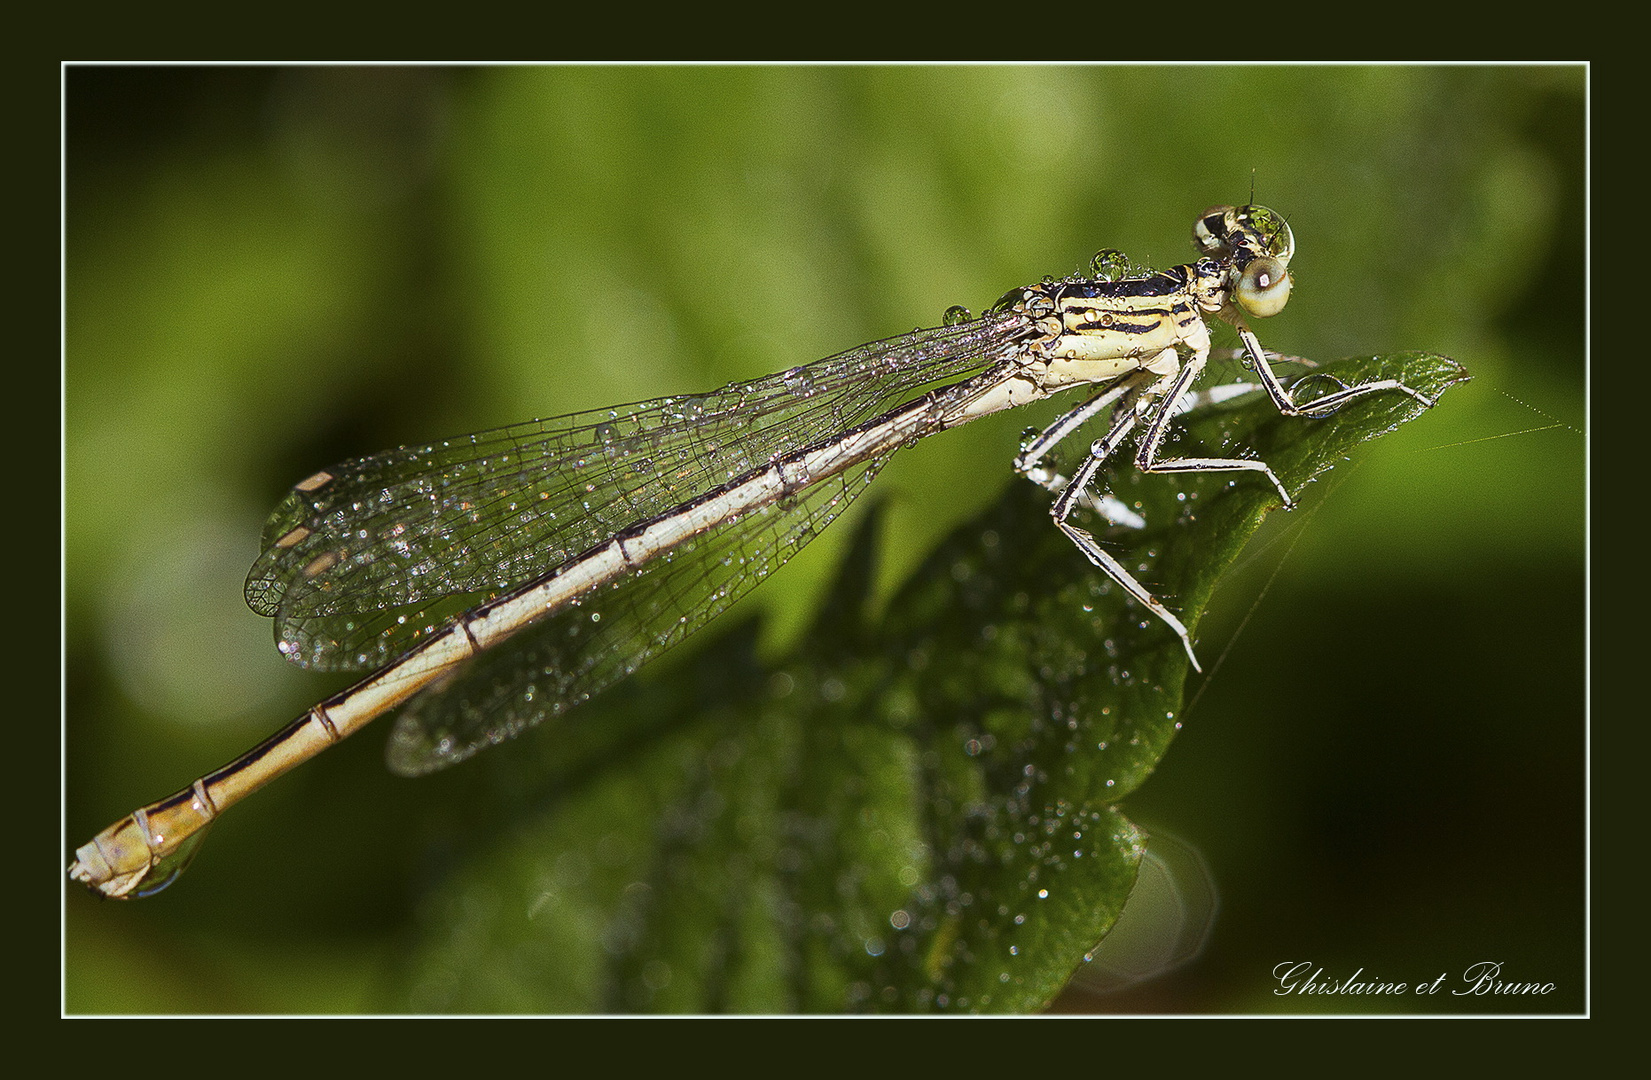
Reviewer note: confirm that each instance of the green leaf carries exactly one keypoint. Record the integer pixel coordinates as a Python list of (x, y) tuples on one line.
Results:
[(917, 810)]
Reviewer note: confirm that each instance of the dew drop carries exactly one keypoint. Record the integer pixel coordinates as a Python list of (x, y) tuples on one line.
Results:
[(1110, 264)]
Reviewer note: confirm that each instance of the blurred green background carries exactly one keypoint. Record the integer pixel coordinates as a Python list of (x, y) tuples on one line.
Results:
[(269, 270)]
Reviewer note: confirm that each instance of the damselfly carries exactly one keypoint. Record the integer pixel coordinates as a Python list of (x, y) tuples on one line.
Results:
[(494, 580)]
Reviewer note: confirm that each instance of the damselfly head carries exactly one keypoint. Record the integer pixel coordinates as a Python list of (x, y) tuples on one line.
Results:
[(1257, 244)]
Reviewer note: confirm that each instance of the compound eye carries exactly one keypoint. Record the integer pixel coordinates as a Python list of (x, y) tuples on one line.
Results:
[(1263, 287)]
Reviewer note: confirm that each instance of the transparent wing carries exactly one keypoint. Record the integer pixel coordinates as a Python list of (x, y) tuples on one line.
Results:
[(564, 659), (363, 560)]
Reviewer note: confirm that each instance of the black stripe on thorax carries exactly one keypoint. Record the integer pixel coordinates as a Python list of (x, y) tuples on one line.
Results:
[(1163, 283)]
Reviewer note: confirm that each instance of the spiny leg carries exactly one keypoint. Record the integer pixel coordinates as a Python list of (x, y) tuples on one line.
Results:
[(1180, 393), (1146, 452), (1124, 419), (1329, 403), (1034, 451), (1029, 462), (1205, 396)]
